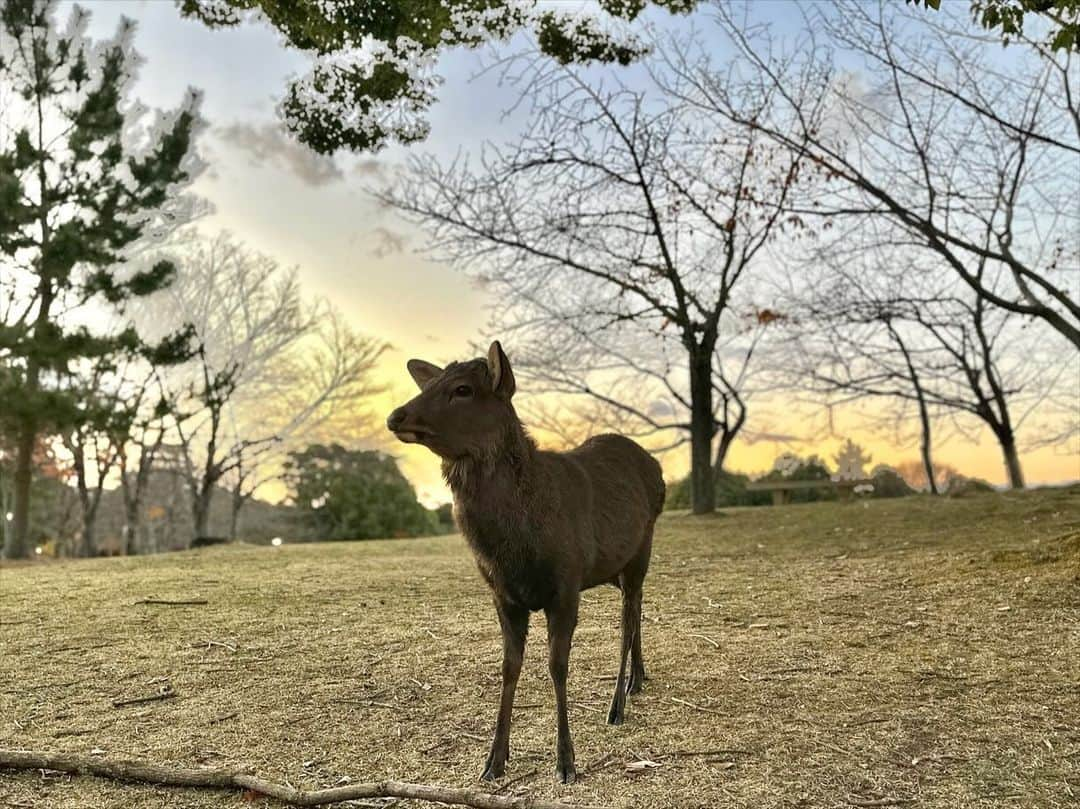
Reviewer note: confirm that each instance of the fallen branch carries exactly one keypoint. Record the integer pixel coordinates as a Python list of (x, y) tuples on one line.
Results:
[(164, 693), (726, 751), (169, 603), (126, 770)]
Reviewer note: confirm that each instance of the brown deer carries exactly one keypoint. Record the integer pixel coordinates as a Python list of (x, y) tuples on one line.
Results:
[(543, 526)]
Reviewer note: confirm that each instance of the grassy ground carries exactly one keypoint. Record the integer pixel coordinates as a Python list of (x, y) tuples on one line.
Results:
[(917, 652)]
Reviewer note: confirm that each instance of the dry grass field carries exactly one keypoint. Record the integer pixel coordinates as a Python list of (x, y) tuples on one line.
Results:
[(920, 652)]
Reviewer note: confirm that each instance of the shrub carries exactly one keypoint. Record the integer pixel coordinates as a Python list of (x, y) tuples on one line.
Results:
[(812, 468), (960, 486), (730, 491), (354, 494), (889, 483)]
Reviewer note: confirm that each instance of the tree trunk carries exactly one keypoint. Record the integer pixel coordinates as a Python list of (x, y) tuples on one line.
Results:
[(16, 545), (928, 466), (1012, 459), (925, 445), (234, 514), (924, 411), (88, 545), (727, 438), (702, 425), (728, 434), (131, 526), (201, 511)]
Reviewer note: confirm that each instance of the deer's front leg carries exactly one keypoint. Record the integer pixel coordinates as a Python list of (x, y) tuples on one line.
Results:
[(561, 621), (514, 622)]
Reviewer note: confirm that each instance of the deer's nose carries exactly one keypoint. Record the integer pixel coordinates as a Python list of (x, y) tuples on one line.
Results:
[(396, 419)]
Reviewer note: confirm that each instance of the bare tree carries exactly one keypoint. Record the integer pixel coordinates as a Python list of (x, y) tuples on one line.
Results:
[(318, 393), (972, 160), (851, 342), (269, 365), (618, 238), (90, 443), (878, 325), (141, 445)]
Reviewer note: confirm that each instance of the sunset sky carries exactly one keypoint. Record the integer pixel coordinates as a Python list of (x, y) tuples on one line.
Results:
[(313, 213)]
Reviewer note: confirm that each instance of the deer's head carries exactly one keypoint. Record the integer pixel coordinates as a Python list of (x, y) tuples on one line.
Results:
[(462, 410)]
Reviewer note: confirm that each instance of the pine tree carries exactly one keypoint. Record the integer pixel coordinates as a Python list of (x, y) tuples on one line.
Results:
[(82, 181)]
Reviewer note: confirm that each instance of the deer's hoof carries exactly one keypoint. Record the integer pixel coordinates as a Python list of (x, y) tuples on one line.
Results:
[(565, 773), (493, 770), (636, 683)]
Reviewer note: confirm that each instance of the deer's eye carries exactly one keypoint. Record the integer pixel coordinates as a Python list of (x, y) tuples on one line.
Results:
[(462, 392)]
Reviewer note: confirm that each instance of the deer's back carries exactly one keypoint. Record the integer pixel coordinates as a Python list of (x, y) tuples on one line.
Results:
[(583, 517), (627, 494)]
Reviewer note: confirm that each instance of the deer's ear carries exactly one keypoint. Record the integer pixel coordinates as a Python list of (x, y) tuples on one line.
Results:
[(422, 372), (502, 378)]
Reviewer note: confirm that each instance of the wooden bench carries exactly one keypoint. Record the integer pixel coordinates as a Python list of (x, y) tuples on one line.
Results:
[(781, 489)]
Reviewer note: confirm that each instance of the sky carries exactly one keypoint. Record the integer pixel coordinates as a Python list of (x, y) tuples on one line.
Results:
[(314, 213)]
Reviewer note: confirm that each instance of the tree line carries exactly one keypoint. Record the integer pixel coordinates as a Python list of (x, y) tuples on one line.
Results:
[(880, 209)]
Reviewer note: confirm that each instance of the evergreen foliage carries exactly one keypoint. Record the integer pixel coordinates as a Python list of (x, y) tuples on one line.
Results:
[(82, 180), (889, 483), (731, 486), (730, 491), (355, 494)]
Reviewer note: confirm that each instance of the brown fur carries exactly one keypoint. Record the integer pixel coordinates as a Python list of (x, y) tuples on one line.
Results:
[(543, 526)]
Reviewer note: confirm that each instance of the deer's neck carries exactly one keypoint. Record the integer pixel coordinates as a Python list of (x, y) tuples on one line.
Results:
[(497, 475)]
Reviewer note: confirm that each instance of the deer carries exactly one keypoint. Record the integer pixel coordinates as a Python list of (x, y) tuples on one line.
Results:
[(543, 526)]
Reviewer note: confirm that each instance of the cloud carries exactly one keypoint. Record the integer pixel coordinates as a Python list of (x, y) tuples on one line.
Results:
[(385, 242), (268, 145), (659, 408), (370, 168), (752, 437)]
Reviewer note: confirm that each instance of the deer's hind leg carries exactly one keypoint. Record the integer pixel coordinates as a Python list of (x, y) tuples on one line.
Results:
[(631, 606), (630, 582), (637, 663)]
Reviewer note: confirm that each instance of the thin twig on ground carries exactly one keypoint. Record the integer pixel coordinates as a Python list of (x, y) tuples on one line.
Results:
[(697, 707), (506, 787), (206, 644), (368, 703), (706, 638)]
